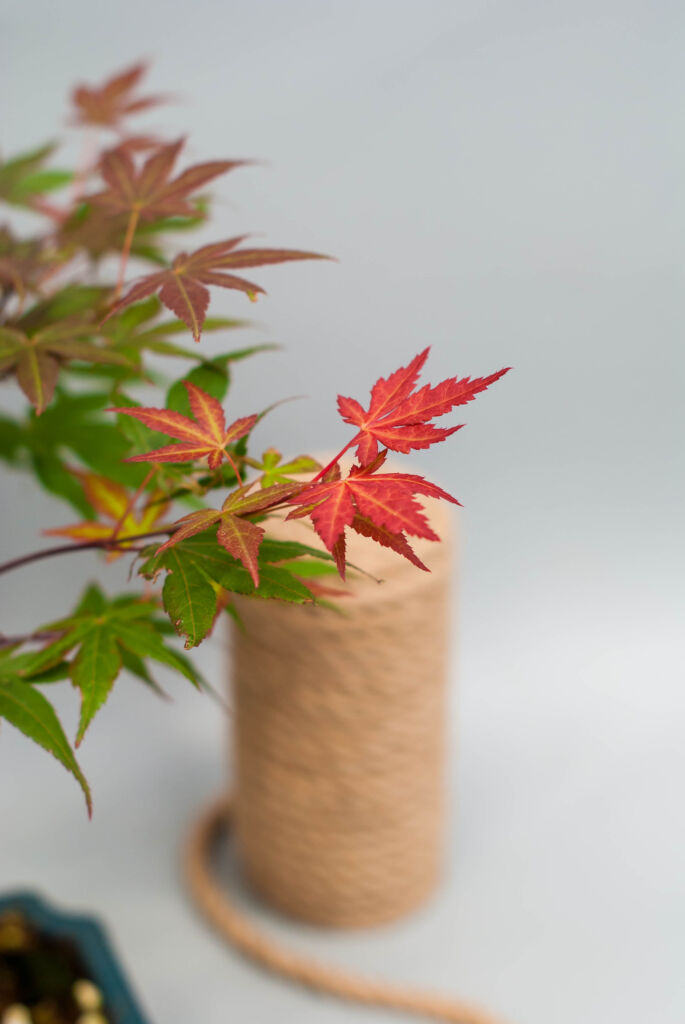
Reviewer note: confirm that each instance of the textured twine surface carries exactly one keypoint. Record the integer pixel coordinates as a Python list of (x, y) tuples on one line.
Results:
[(339, 754), (338, 741)]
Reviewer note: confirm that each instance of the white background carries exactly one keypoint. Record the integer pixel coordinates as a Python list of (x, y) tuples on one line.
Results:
[(502, 181)]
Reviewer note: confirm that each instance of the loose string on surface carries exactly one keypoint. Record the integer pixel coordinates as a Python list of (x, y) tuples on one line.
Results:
[(233, 925)]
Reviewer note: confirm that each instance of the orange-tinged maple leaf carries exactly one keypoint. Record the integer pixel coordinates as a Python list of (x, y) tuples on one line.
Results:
[(380, 505), (236, 533), (182, 287), (206, 436), (23, 264), (107, 104), (399, 417), (149, 190), (36, 360), (116, 504)]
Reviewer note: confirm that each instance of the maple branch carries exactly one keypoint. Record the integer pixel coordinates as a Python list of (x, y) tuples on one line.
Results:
[(125, 252), (63, 549), (11, 641), (88, 151), (322, 472), (134, 498), (234, 468)]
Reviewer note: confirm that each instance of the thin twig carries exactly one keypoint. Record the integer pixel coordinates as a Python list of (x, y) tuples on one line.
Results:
[(63, 549), (128, 242), (234, 468), (11, 641), (322, 472), (85, 165), (134, 498)]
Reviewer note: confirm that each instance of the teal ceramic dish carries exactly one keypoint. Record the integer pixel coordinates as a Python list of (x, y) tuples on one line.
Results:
[(71, 942)]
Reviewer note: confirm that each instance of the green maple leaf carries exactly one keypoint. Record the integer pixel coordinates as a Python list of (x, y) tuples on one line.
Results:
[(94, 668), (24, 177), (73, 300), (131, 333), (198, 570), (189, 594), (276, 472), (99, 638), (72, 426), (24, 707)]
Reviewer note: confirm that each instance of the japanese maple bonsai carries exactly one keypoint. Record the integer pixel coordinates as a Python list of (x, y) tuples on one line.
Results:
[(79, 348)]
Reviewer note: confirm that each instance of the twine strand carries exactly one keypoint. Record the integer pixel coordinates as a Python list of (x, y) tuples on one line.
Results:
[(216, 906)]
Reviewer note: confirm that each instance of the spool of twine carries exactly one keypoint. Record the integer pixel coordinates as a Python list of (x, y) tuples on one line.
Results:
[(339, 754), (338, 739)]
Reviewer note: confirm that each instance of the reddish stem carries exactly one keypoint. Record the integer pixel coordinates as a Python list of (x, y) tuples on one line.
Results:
[(234, 468), (88, 150), (89, 545), (126, 250), (11, 641), (139, 490), (322, 472)]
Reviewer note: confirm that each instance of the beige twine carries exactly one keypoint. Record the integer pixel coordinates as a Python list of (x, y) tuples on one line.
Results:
[(229, 922), (338, 745)]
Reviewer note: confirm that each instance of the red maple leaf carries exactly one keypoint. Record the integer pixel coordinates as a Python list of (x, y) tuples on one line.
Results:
[(148, 190), (182, 287), (204, 437), (377, 505), (237, 534), (107, 104), (399, 417)]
